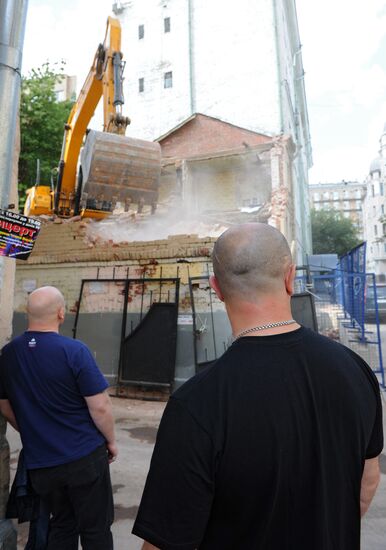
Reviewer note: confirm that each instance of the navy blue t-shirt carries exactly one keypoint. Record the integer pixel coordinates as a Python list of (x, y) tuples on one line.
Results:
[(46, 376)]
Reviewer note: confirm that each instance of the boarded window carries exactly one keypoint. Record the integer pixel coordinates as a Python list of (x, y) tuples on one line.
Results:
[(168, 79), (167, 24), (141, 32), (141, 85)]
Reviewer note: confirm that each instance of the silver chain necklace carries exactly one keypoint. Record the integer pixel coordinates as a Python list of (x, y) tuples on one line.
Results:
[(262, 327)]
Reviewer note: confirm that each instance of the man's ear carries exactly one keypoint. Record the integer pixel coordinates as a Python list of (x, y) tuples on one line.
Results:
[(61, 314), (290, 279), (216, 287)]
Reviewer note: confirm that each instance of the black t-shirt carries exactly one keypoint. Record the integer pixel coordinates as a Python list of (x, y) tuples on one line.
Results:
[(265, 450)]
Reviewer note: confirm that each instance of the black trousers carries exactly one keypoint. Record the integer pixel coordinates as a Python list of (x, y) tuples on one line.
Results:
[(80, 499)]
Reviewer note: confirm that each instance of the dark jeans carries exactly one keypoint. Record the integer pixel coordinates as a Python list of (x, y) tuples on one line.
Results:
[(80, 498), (38, 530)]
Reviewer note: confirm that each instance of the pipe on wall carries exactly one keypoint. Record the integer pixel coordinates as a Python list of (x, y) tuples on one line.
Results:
[(191, 59)]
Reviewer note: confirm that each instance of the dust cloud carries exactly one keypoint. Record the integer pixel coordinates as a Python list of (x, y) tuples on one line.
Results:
[(131, 227)]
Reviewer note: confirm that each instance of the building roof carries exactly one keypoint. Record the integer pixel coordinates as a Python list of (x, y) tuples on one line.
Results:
[(335, 185), (196, 115), (200, 135)]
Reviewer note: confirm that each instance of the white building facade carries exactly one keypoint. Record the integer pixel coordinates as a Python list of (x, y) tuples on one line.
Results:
[(375, 214), (238, 62)]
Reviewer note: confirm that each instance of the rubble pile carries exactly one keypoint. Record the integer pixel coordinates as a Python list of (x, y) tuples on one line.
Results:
[(129, 227)]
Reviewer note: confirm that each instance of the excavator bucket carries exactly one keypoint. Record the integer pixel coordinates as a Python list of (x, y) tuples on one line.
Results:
[(119, 168)]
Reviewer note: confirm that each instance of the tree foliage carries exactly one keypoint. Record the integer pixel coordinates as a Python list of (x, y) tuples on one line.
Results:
[(42, 119), (332, 233)]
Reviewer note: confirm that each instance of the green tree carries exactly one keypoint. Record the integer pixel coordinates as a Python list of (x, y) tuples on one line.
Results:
[(42, 119), (332, 233)]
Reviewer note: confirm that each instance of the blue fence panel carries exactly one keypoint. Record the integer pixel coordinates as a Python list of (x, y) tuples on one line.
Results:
[(347, 310)]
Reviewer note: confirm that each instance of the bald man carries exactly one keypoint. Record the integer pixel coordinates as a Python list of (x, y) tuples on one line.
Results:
[(275, 446), (52, 391)]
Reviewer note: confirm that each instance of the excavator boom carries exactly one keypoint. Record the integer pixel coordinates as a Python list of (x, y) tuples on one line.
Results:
[(113, 168)]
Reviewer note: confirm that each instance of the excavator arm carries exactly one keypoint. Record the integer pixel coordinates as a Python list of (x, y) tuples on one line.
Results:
[(112, 162)]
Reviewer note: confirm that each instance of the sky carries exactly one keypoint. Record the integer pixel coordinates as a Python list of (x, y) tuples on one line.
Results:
[(344, 57)]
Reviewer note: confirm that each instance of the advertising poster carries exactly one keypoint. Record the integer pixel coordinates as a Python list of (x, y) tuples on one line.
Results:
[(18, 234)]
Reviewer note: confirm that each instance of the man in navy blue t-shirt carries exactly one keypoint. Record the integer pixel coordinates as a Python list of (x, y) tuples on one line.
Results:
[(52, 391)]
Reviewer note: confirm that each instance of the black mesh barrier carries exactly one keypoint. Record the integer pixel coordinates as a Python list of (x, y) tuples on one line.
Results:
[(149, 352), (130, 326)]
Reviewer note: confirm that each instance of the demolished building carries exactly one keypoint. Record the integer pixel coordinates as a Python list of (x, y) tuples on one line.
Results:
[(136, 284)]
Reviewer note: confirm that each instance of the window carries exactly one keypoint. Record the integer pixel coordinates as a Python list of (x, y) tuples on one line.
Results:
[(372, 190), (168, 79), (336, 196), (383, 208), (375, 230), (167, 24), (358, 194), (384, 229), (141, 85), (316, 196), (60, 95), (358, 205), (346, 205), (381, 187), (141, 32), (374, 211), (346, 214), (385, 247)]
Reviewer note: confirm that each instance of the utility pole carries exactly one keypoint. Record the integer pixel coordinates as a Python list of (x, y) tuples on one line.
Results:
[(13, 15), (12, 26)]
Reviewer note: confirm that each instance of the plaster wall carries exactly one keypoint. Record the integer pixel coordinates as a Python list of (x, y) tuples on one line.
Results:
[(223, 62)]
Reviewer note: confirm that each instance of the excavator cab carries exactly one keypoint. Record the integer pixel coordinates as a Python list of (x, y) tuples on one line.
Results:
[(113, 167)]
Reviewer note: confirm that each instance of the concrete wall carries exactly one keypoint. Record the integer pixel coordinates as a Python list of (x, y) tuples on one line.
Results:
[(294, 117), (65, 254), (7, 283), (223, 59), (156, 109)]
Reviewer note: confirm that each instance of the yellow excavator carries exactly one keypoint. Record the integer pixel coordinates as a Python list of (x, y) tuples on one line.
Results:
[(111, 167)]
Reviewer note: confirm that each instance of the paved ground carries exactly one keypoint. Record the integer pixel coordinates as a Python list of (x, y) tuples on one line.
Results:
[(137, 423)]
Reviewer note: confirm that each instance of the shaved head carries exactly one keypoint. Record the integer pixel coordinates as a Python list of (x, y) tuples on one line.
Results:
[(249, 260), (44, 305)]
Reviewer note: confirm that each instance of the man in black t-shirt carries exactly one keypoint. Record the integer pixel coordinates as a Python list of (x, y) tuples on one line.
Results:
[(275, 446)]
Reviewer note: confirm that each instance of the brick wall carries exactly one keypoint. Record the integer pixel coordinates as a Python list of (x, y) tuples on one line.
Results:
[(64, 255), (204, 135)]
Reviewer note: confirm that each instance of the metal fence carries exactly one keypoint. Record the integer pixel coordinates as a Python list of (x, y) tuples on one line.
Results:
[(347, 311), (115, 316)]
